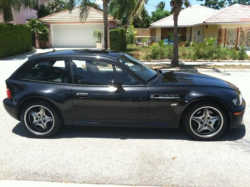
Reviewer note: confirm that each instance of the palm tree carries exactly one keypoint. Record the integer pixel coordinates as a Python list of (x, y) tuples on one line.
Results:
[(176, 6), (84, 10), (122, 8), (160, 6), (129, 9), (6, 7), (105, 18)]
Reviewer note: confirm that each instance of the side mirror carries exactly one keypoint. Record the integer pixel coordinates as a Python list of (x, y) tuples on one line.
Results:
[(118, 85)]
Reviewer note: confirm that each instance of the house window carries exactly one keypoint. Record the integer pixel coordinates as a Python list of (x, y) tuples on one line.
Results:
[(206, 26), (198, 33)]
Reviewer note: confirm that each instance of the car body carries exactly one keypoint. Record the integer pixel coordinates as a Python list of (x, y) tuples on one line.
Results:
[(117, 90)]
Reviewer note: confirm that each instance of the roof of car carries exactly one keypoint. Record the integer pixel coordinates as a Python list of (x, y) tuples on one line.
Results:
[(77, 53)]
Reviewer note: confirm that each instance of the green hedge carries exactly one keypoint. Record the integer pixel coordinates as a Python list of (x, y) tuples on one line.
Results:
[(117, 40), (14, 39)]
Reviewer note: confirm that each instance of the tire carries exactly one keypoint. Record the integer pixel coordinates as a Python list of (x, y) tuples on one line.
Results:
[(205, 121), (40, 119)]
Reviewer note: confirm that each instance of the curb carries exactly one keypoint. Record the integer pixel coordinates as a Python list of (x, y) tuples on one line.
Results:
[(211, 70), (5, 183), (201, 61)]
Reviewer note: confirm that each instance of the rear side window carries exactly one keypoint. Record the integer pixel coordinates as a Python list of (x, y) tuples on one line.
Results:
[(57, 71), (90, 72)]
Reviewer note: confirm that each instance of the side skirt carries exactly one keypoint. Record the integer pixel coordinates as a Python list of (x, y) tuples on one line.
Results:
[(173, 124)]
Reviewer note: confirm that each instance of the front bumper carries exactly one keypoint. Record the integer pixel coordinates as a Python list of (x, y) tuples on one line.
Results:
[(10, 107), (237, 121)]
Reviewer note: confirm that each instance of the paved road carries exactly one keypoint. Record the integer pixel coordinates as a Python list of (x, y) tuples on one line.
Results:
[(125, 156)]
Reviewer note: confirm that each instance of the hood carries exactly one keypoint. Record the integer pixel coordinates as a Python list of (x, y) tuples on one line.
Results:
[(191, 79)]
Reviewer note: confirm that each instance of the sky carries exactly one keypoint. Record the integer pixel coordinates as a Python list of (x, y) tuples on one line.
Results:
[(151, 5)]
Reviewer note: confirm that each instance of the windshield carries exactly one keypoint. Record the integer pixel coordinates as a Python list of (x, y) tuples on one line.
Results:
[(143, 71)]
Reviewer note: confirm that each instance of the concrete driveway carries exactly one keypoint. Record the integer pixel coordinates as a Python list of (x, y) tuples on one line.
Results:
[(125, 156)]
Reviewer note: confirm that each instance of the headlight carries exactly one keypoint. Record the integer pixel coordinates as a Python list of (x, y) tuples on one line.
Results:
[(238, 101)]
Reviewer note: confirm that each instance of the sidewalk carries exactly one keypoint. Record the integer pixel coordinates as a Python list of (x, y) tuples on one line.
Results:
[(207, 63), (210, 70), (5, 183)]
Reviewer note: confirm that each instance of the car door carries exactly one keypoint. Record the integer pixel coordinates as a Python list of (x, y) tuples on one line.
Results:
[(102, 91)]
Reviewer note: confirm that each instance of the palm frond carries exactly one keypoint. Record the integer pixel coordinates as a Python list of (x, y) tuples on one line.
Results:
[(138, 8), (84, 9), (6, 7), (161, 5), (187, 3)]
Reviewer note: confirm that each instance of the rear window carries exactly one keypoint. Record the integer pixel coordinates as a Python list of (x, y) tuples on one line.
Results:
[(49, 71)]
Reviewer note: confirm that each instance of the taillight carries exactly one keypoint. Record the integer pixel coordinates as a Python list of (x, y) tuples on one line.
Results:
[(9, 95)]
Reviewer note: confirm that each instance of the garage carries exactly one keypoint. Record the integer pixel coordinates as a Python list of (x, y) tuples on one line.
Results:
[(74, 35), (68, 30)]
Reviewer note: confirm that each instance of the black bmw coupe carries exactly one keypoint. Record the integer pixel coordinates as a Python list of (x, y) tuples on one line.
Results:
[(103, 88)]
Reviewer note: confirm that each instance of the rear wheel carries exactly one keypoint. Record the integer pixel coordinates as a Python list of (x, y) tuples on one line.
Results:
[(40, 119), (206, 121)]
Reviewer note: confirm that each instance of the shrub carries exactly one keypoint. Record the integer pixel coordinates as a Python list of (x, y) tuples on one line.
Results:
[(14, 39), (169, 52), (130, 35), (155, 51), (209, 41), (117, 40), (40, 29), (242, 53)]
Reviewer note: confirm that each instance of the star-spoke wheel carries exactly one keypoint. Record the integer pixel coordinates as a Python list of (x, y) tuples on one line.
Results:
[(206, 122), (39, 120)]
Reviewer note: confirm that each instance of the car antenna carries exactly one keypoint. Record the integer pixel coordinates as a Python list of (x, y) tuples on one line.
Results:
[(52, 48)]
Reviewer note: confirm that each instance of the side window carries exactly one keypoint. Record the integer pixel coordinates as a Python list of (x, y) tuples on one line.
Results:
[(125, 78), (88, 72), (49, 71)]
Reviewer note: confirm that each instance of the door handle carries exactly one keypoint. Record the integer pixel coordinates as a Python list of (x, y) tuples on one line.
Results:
[(82, 95), (164, 97)]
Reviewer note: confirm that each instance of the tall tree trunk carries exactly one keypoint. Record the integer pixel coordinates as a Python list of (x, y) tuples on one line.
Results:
[(105, 17), (175, 60)]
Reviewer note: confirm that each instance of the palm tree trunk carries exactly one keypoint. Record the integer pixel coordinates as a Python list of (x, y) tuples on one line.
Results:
[(175, 60), (105, 17)]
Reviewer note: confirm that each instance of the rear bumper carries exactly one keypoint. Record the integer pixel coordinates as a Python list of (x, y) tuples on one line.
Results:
[(10, 107), (237, 121)]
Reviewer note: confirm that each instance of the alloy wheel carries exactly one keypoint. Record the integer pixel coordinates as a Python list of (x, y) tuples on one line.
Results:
[(39, 120), (206, 122)]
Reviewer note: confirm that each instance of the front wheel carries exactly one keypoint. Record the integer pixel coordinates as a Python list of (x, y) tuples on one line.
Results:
[(206, 121), (40, 119)]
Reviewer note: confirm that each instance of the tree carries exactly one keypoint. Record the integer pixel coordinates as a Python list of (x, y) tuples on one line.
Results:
[(41, 32), (57, 6), (160, 6), (159, 14), (176, 7), (122, 9), (143, 21), (43, 11), (128, 10), (218, 4), (6, 7), (84, 10)]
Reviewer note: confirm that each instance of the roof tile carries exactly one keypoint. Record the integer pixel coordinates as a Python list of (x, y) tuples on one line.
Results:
[(73, 16), (233, 14), (193, 15)]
